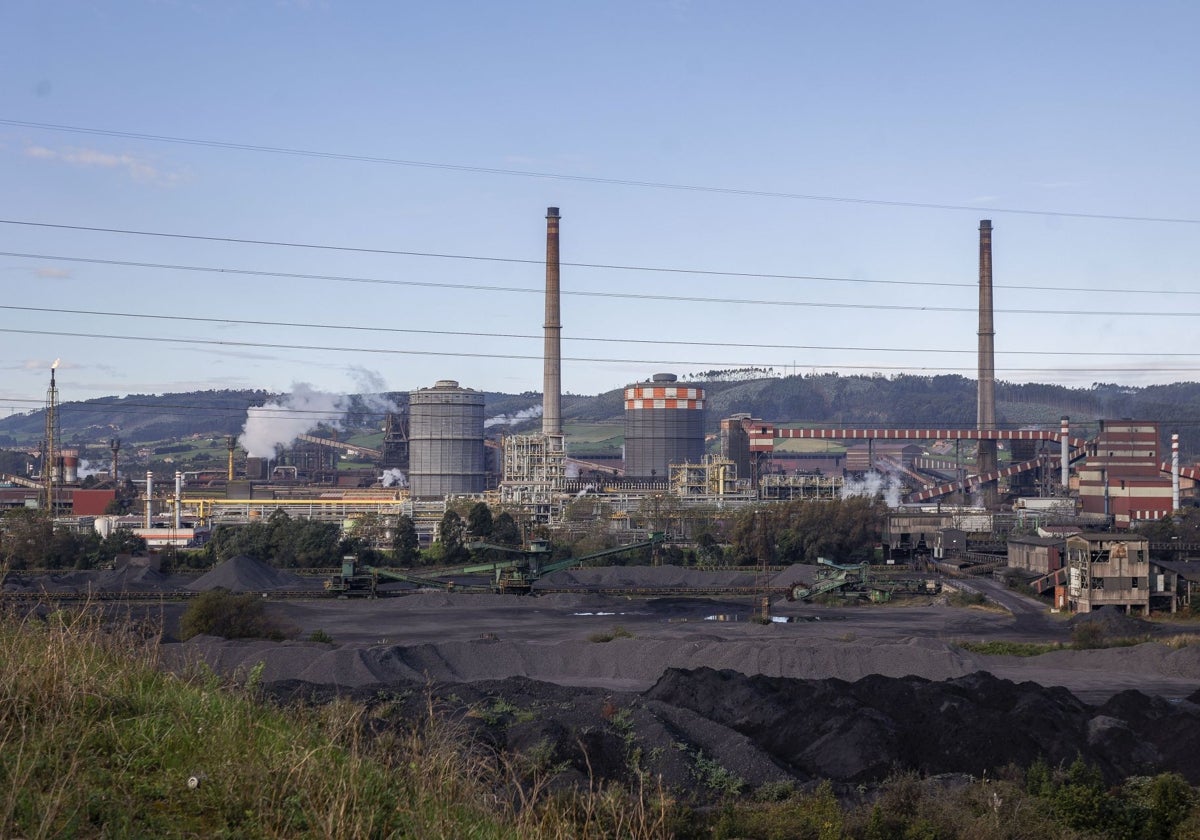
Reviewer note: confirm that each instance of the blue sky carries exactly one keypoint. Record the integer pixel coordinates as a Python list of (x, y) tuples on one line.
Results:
[(1064, 112)]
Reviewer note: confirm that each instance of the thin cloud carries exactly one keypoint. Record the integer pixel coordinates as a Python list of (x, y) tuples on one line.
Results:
[(139, 169), (52, 273)]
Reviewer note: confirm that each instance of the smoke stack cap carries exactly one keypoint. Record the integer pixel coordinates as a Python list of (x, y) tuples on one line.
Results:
[(664, 377)]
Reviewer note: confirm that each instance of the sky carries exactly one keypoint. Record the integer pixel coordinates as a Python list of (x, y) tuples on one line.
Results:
[(351, 196)]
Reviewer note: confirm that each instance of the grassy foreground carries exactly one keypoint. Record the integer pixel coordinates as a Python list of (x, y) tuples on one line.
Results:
[(94, 741)]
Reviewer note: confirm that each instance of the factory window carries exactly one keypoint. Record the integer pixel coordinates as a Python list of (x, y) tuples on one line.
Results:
[(1097, 583), (1134, 583), (1100, 556)]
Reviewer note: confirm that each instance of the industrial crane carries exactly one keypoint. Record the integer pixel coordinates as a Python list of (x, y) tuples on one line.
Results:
[(857, 579), (512, 576)]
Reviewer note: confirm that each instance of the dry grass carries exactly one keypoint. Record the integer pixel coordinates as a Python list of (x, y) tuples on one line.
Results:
[(96, 741)]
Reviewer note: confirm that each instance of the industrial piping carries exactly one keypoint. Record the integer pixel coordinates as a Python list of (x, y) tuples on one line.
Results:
[(552, 355), (986, 419)]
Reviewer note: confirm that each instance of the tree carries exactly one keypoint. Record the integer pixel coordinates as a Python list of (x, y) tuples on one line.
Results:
[(479, 521), (120, 541), (451, 531), (506, 531), (25, 541), (406, 547)]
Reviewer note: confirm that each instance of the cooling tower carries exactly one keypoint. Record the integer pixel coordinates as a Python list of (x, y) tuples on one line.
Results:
[(445, 441), (664, 425)]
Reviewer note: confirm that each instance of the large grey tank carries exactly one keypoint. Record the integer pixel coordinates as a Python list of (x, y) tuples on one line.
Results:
[(445, 440), (664, 425)]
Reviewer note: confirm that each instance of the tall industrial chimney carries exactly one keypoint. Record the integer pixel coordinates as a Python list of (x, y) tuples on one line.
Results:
[(987, 461), (552, 355)]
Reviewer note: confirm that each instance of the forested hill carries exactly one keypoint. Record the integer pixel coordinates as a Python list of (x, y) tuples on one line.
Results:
[(914, 401)]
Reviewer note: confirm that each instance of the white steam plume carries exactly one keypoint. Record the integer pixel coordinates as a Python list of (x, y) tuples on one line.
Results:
[(513, 419), (394, 478), (874, 484), (370, 391), (279, 422)]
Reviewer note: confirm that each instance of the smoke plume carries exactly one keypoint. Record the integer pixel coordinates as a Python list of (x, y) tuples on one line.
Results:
[(874, 484), (512, 419), (278, 423), (394, 478)]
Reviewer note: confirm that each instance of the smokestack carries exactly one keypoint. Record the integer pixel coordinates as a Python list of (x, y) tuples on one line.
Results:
[(149, 499), (552, 356), (1066, 453), (178, 500), (1174, 471), (115, 446), (987, 461)]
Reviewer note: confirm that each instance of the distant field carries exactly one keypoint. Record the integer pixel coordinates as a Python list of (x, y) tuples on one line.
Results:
[(594, 438), (796, 445)]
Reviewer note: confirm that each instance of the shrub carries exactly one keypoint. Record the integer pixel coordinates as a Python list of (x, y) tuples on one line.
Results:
[(219, 612)]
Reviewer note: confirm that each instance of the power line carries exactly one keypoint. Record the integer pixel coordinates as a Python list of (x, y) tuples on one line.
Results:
[(477, 287), (920, 369), (515, 260), (532, 337), (558, 176), (123, 405)]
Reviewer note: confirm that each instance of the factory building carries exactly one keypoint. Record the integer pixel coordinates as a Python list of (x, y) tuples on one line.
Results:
[(1108, 570), (664, 425), (1122, 476)]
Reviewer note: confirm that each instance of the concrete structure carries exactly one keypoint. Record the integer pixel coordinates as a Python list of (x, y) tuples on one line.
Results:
[(446, 452), (664, 425), (1108, 570)]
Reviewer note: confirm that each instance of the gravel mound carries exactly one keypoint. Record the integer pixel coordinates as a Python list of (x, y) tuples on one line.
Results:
[(650, 577), (1113, 624), (245, 574), (621, 664)]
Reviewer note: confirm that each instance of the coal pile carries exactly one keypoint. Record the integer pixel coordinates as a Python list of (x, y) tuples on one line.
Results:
[(245, 574), (863, 731), (706, 732), (648, 577)]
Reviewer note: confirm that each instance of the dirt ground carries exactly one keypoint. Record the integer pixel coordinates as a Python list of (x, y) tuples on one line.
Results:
[(684, 687)]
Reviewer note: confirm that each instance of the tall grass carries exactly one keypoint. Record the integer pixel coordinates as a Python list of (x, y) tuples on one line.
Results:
[(96, 741)]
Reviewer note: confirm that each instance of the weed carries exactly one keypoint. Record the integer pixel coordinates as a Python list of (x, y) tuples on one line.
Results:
[(617, 632), (320, 636), (715, 777), (1004, 648)]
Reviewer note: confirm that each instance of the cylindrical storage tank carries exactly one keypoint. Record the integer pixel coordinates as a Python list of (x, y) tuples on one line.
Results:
[(664, 425), (445, 441)]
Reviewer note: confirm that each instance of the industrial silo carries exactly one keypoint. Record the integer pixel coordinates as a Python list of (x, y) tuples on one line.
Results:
[(664, 425), (445, 441)]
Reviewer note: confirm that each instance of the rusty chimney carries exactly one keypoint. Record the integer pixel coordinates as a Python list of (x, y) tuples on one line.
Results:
[(986, 420), (552, 355)]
